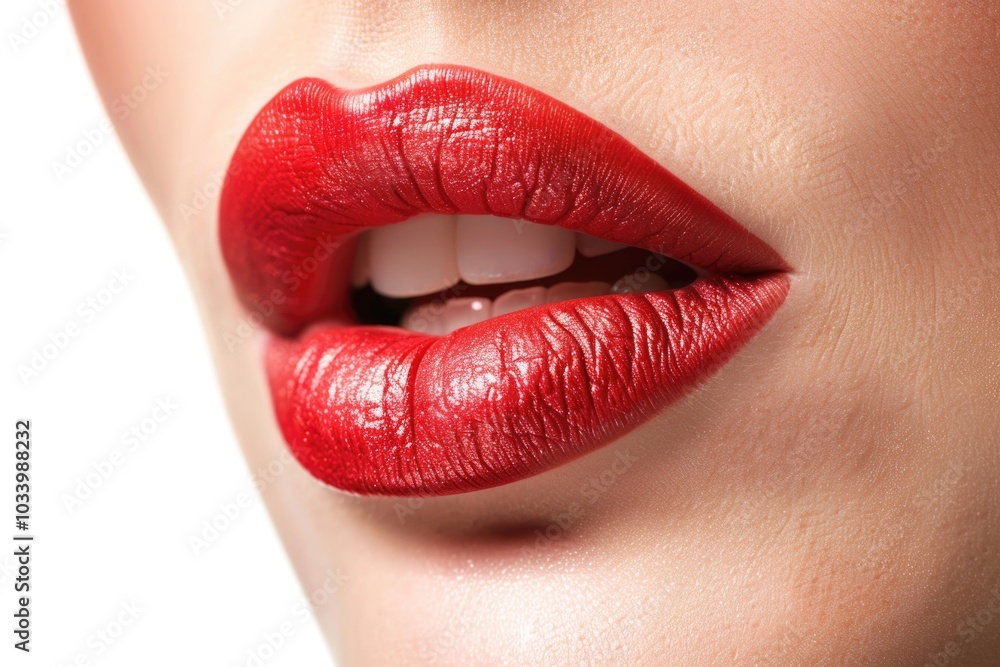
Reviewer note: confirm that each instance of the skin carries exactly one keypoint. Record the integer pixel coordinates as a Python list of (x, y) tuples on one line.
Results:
[(831, 496)]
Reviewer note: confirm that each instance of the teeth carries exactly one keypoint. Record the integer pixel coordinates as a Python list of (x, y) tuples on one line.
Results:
[(591, 246), (497, 250), (360, 270), (424, 319), (641, 280), (440, 319), (567, 291), (458, 313), (413, 257), (518, 299), (430, 253)]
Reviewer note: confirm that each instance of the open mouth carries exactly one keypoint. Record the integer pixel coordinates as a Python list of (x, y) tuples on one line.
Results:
[(470, 282), (438, 273)]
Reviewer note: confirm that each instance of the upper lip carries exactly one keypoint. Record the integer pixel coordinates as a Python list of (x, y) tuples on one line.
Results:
[(376, 411)]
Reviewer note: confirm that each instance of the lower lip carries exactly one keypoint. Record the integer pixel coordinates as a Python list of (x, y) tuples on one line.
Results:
[(383, 411)]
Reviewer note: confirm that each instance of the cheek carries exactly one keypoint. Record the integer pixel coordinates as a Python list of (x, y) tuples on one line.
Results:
[(147, 62)]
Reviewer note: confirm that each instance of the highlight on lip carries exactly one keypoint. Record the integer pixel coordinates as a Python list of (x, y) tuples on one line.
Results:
[(471, 282)]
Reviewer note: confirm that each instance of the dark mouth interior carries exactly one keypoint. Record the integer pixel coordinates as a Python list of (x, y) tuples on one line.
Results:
[(370, 307)]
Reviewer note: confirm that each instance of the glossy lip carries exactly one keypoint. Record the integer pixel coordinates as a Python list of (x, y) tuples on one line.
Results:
[(383, 411)]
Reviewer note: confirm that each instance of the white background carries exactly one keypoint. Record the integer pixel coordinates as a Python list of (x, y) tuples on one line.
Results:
[(61, 239)]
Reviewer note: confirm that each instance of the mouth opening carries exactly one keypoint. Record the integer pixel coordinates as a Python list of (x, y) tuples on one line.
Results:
[(434, 274)]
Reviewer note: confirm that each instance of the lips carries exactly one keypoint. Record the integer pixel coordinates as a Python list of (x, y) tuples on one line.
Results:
[(384, 410)]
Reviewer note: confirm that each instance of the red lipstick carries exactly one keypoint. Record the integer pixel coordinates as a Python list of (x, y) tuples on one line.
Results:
[(381, 410)]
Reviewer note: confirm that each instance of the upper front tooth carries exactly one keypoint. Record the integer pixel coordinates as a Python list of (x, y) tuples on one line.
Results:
[(413, 257), (591, 246), (498, 250)]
